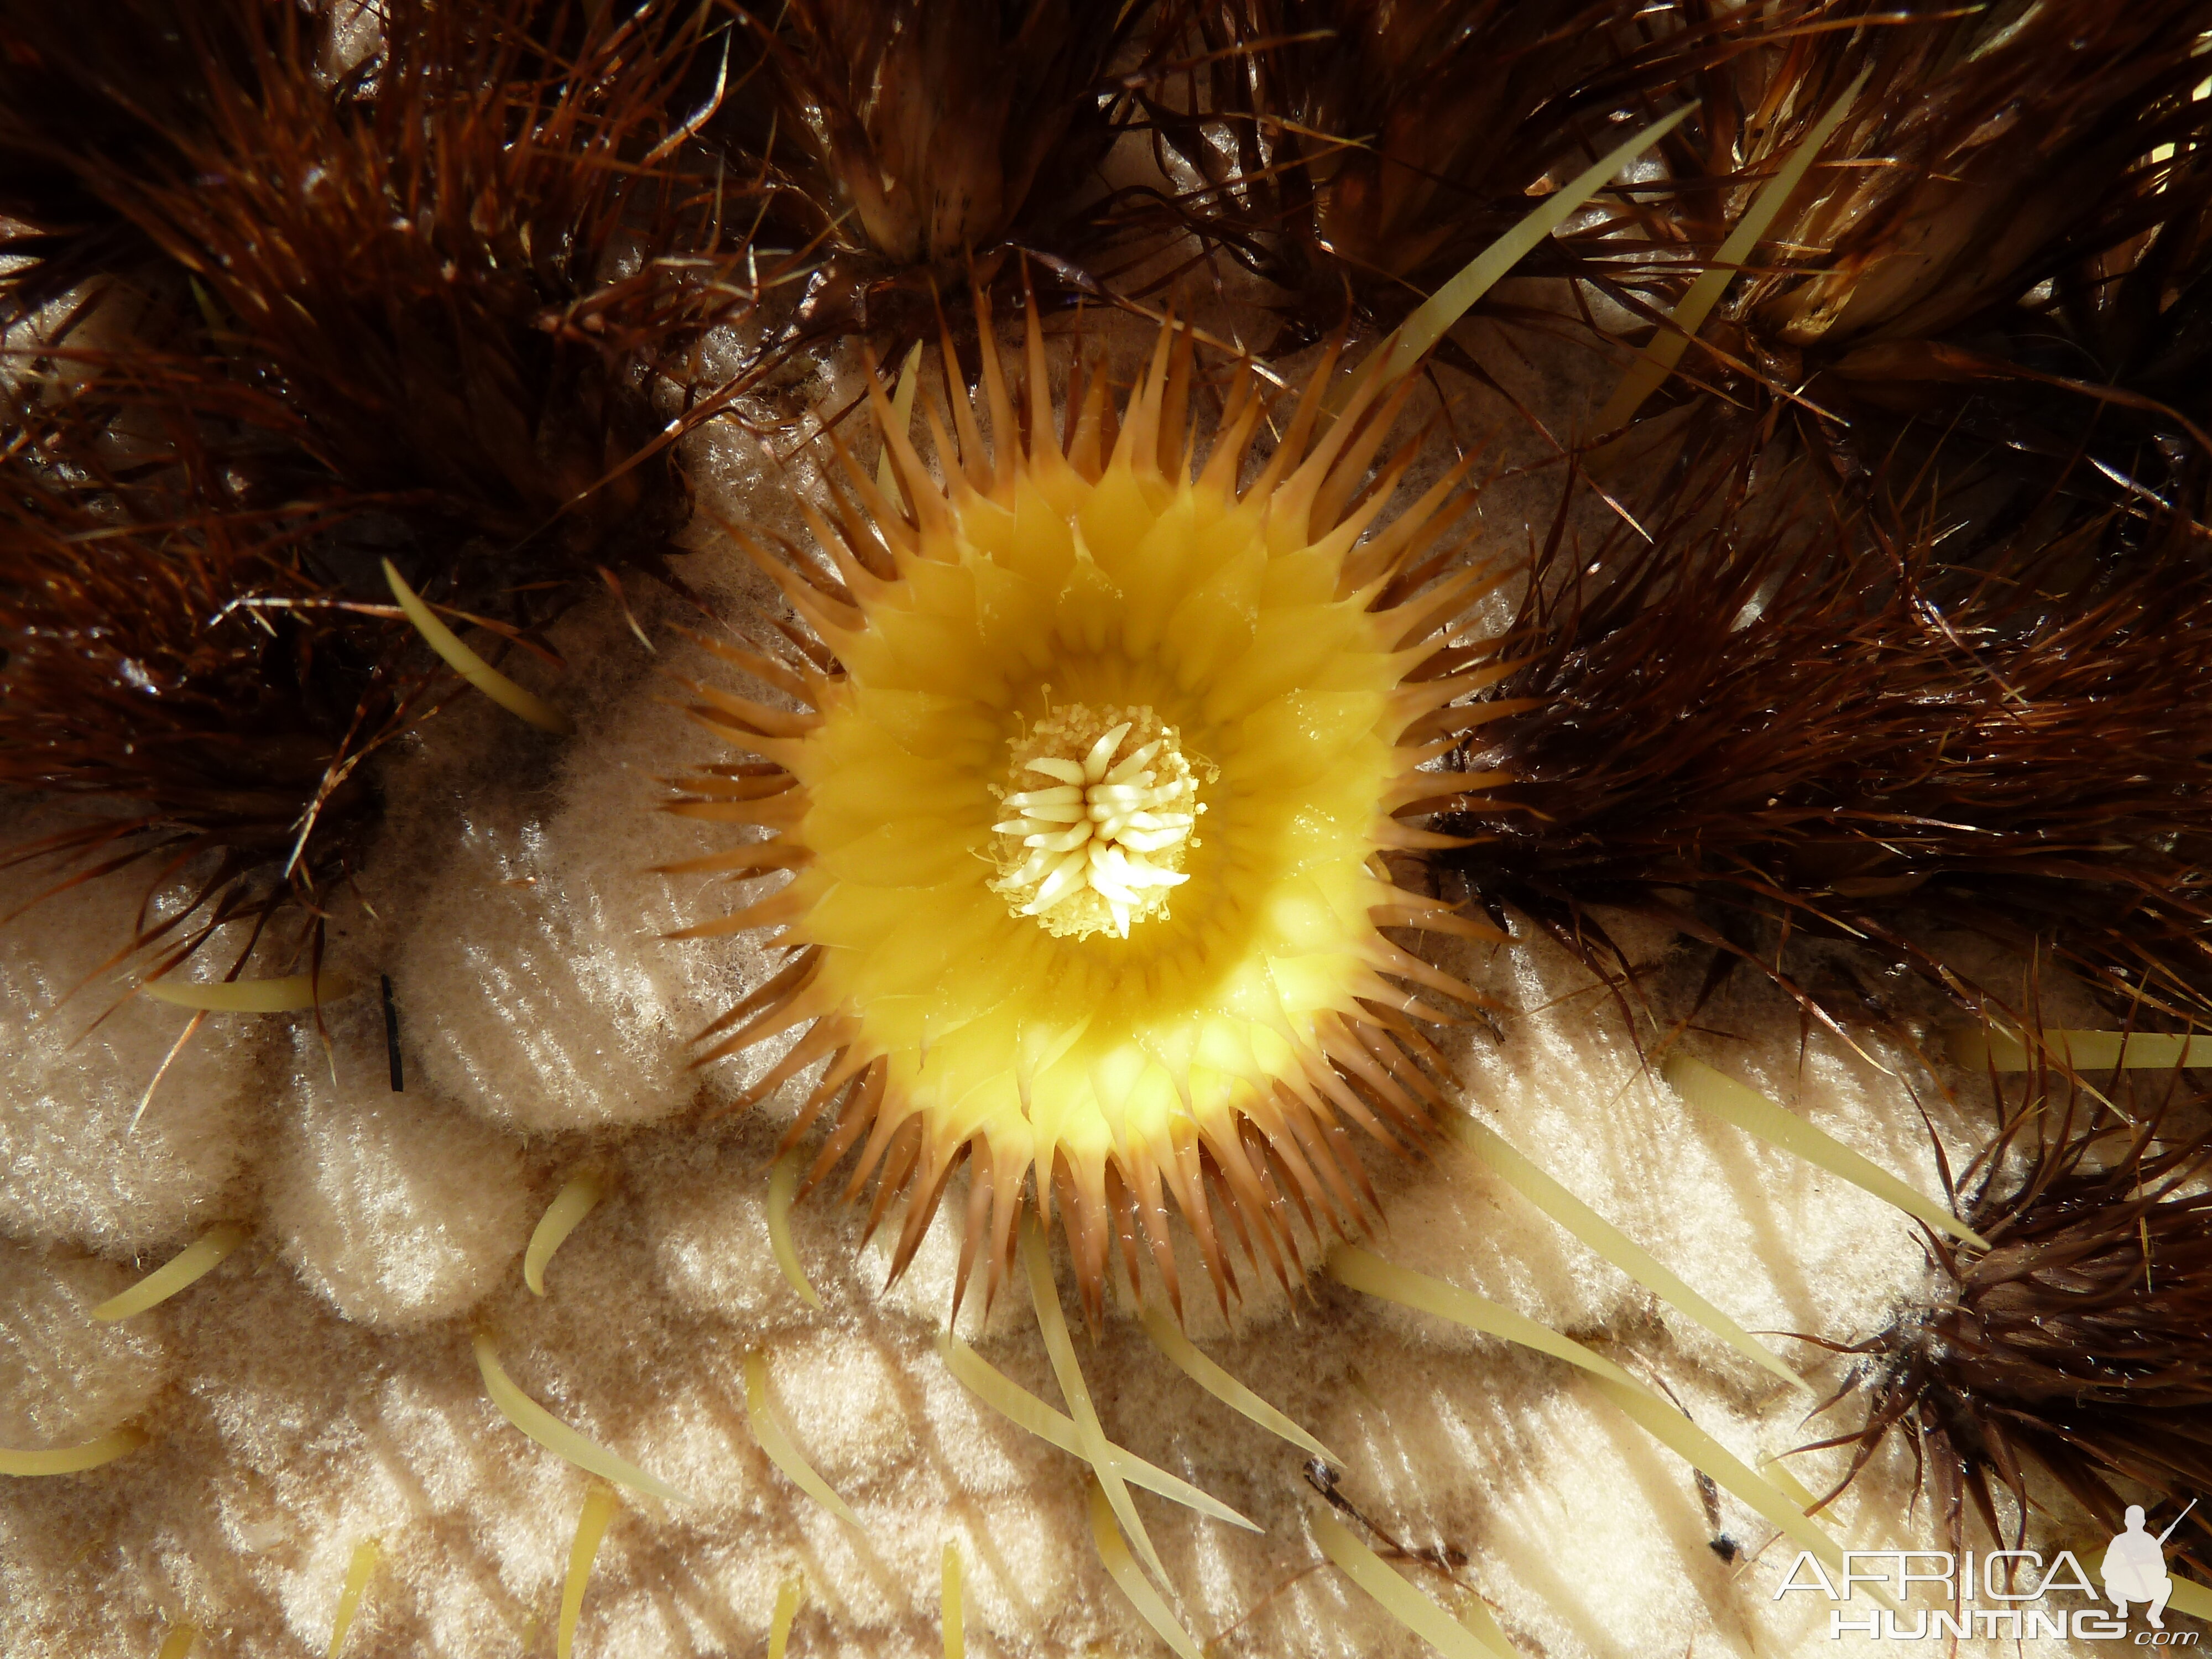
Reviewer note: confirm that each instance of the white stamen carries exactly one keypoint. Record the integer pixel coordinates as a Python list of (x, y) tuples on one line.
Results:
[(1100, 849), (1064, 880), (1135, 762), (1095, 762)]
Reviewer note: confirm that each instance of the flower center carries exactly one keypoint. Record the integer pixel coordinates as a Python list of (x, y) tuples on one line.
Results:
[(1100, 809)]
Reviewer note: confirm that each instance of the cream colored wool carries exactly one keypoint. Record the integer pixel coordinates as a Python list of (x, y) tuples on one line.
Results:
[(319, 1390), (74, 1066)]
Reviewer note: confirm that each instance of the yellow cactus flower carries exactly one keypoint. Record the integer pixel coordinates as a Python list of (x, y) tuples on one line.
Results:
[(1088, 808)]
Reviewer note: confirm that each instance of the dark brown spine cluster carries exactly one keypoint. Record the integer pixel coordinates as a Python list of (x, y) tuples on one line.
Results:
[(1356, 156), (1995, 252), (907, 147), (2080, 1342), (1783, 715), (301, 315)]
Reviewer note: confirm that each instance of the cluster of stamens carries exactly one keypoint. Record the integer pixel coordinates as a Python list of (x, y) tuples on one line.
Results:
[(1101, 844)]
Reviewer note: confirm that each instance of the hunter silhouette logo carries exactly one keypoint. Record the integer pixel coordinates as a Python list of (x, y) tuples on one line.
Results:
[(2134, 1567)]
